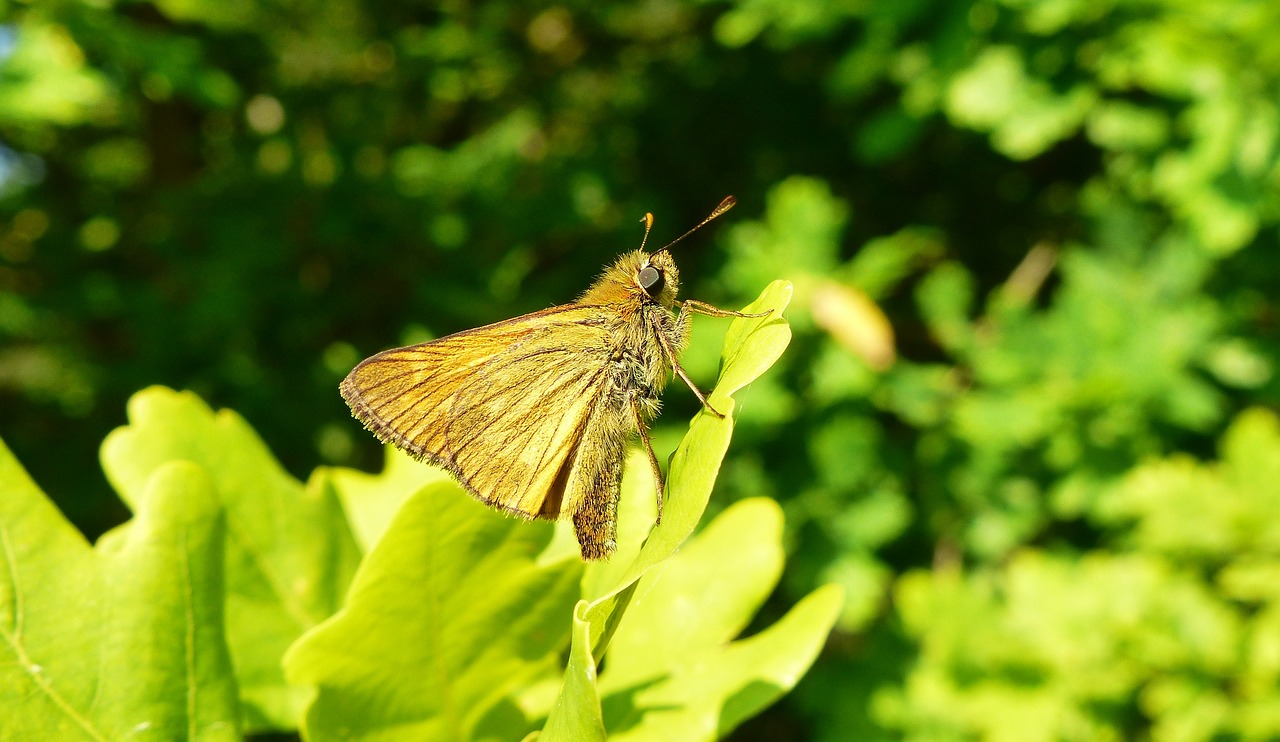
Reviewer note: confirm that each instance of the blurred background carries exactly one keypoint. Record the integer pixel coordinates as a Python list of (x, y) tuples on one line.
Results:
[(1028, 416)]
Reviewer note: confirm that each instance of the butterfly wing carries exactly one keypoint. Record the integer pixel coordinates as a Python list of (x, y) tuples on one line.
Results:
[(503, 407)]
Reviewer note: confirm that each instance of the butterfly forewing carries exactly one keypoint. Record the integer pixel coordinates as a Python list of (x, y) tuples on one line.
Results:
[(503, 407)]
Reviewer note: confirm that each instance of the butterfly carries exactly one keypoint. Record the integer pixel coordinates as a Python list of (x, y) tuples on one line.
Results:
[(532, 415)]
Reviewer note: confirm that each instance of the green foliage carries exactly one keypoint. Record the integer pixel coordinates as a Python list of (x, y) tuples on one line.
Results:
[(1033, 249), (229, 600), (1174, 624)]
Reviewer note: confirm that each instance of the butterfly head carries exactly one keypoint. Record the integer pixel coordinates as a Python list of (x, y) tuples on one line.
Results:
[(657, 277), (636, 278)]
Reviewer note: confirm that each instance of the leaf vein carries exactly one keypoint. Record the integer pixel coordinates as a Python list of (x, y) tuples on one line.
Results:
[(188, 596), (34, 671)]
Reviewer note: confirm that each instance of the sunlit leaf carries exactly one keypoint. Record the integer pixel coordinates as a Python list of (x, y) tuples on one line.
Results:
[(122, 640), (289, 552)]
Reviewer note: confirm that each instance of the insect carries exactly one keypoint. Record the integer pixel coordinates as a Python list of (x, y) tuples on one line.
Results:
[(532, 415)]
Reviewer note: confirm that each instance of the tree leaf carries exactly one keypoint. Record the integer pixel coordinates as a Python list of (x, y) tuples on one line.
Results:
[(290, 554), (695, 591), (450, 613), (752, 673), (671, 671), (709, 697), (121, 640), (372, 500)]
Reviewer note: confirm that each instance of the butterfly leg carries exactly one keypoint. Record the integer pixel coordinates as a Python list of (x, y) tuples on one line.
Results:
[(653, 457), (687, 307), (684, 376), (701, 307)]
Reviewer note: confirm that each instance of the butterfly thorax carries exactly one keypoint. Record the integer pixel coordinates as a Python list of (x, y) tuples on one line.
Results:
[(647, 337)]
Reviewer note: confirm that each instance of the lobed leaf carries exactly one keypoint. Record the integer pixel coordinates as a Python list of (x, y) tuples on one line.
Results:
[(448, 616), (123, 640), (289, 553)]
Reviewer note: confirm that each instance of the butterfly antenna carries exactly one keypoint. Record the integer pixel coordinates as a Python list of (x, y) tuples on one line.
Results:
[(724, 206), (648, 225)]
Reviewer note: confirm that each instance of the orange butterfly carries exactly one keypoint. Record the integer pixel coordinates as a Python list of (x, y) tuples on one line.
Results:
[(532, 414)]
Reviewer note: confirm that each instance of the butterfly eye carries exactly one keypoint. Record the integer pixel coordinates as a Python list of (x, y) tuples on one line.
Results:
[(650, 280)]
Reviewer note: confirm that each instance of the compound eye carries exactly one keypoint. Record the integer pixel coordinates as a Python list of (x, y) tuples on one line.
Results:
[(650, 280)]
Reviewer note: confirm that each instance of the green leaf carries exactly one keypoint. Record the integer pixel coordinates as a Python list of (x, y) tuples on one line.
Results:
[(1045, 646), (119, 641), (751, 346), (289, 552), (671, 671), (448, 616), (372, 500), (1025, 115), (799, 236), (695, 593), (708, 698), (576, 714)]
